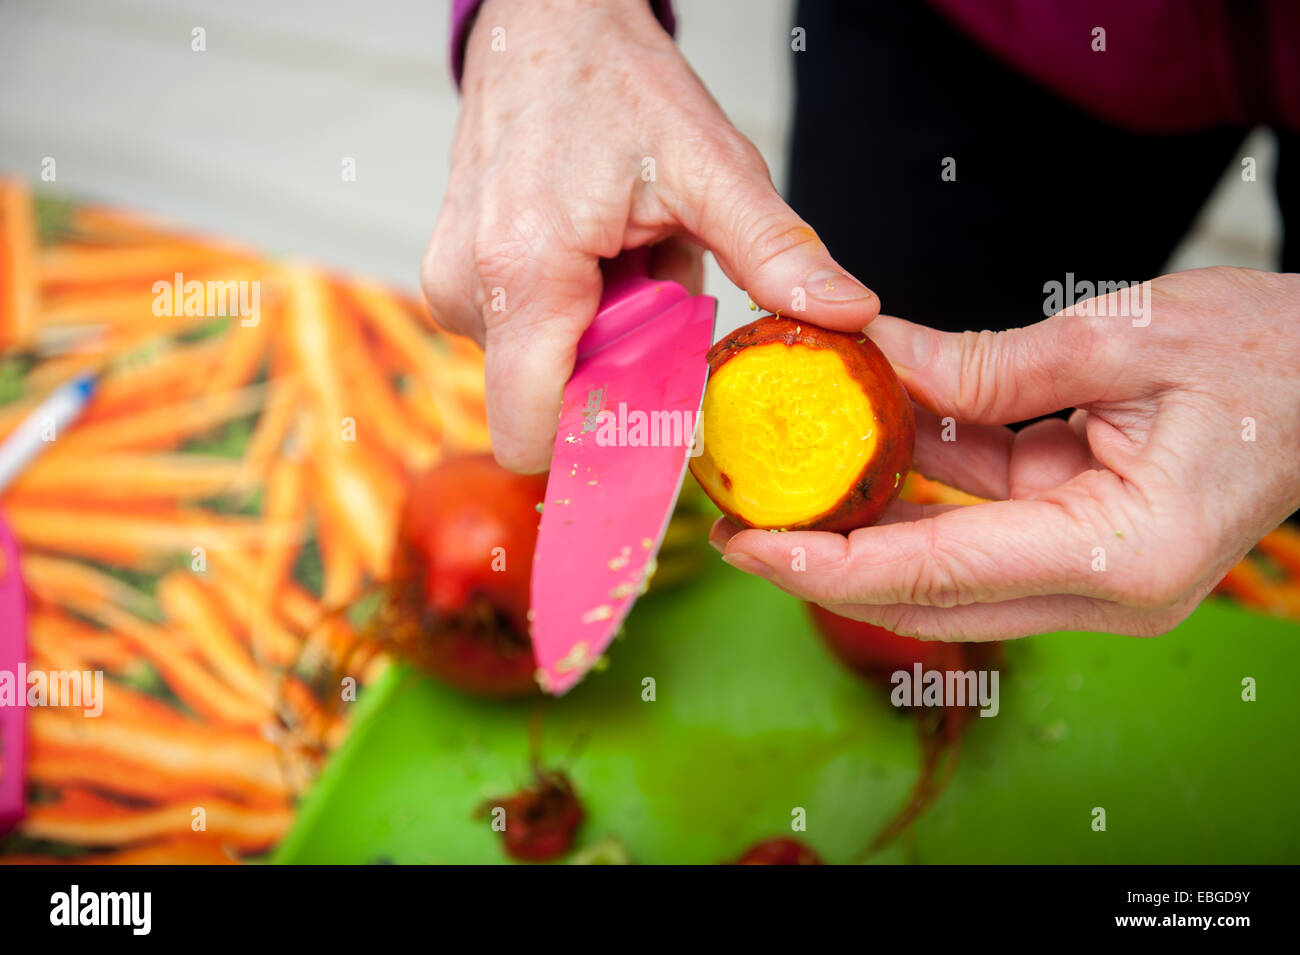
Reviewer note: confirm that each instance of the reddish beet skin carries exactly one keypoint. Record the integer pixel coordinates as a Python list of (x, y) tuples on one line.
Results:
[(457, 602), (541, 820)]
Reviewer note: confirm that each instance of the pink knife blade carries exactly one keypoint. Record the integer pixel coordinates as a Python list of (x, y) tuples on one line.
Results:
[(625, 433)]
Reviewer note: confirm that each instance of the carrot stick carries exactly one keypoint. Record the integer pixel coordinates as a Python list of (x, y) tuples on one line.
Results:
[(118, 476), (1283, 546), (378, 409), (151, 762), (82, 818), (185, 676), (403, 338), (298, 608), (1247, 583), (73, 265), (160, 427), (284, 512), (463, 430), (341, 563), (272, 429), (310, 341), (188, 604), (73, 584), (139, 538), (270, 639), (18, 265), (108, 222), (177, 851), (361, 501), (139, 305), (52, 632), (243, 350), (172, 374)]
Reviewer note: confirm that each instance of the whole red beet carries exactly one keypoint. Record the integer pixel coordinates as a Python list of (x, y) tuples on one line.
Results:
[(457, 602), (541, 820)]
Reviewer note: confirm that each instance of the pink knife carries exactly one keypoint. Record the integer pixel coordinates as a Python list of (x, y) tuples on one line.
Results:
[(626, 427)]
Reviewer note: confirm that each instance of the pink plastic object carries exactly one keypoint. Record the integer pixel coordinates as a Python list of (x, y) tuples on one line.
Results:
[(625, 433), (13, 650)]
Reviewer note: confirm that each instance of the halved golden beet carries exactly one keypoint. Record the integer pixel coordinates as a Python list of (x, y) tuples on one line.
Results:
[(802, 428)]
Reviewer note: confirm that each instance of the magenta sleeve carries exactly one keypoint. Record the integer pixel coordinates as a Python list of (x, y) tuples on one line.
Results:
[(464, 11)]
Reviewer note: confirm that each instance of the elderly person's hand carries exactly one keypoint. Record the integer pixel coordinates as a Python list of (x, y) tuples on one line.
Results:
[(584, 132), (1184, 451)]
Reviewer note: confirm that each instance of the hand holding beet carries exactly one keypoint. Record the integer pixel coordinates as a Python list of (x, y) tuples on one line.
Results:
[(1184, 451)]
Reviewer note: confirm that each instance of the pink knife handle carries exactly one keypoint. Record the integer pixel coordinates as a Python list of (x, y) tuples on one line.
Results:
[(631, 298), (13, 651)]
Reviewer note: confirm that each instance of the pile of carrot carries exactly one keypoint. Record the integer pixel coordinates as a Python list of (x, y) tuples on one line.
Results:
[(169, 537)]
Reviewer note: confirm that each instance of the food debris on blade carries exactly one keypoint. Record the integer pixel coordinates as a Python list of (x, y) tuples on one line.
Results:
[(603, 612)]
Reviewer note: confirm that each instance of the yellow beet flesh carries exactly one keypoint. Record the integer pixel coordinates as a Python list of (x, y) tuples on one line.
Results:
[(788, 431)]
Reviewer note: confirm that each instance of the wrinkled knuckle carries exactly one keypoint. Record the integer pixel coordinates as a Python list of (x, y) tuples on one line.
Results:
[(935, 578), (979, 386)]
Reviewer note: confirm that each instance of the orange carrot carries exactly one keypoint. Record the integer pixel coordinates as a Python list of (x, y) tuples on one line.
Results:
[(270, 639), (147, 761), (177, 851), (73, 584), (462, 429), (127, 476), (243, 352), (18, 265), (408, 344), (271, 431), (358, 498), (138, 304), (189, 605), (159, 427), (104, 223), (284, 512), (139, 538), (53, 632), (1248, 583), (82, 818), (310, 342), (184, 675), (1283, 546), (379, 411), (340, 562), (139, 265)]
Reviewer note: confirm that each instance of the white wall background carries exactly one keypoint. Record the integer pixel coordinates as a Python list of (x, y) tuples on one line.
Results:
[(247, 138)]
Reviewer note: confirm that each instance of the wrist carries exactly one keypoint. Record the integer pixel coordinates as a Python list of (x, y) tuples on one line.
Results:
[(479, 28)]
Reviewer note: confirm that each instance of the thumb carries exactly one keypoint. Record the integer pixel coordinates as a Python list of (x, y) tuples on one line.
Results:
[(530, 345), (767, 250), (1002, 377)]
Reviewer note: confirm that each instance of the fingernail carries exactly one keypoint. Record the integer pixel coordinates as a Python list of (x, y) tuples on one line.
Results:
[(903, 343), (830, 285), (749, 565)]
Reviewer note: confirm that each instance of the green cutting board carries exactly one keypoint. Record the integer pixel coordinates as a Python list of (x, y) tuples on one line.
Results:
[(752, 720)]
